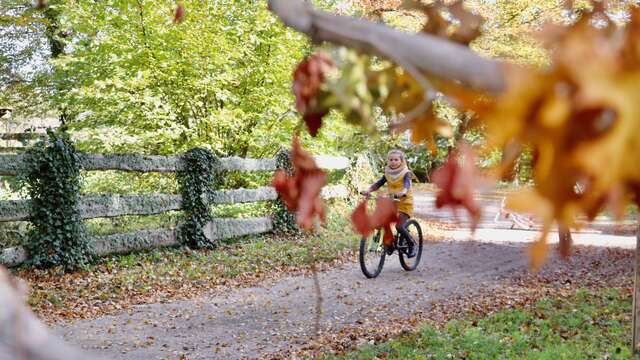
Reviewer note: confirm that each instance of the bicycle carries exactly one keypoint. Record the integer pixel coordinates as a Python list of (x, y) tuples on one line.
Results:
[(373, 252)]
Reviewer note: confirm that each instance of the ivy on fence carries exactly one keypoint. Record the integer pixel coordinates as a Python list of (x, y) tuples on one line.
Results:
[(197, 180), (52, 179), (284, 221)]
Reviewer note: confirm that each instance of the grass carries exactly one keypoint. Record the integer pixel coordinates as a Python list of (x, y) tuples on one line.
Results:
[(587, 325)]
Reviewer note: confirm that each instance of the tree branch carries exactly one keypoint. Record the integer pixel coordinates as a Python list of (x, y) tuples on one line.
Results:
[(22, 336), (429, 54)]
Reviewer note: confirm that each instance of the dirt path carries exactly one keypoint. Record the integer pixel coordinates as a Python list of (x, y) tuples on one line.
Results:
[(253, 321), (278, 316)]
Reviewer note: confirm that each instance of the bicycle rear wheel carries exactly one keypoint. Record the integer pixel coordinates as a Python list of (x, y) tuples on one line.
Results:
[(414, 229), (372, 254)]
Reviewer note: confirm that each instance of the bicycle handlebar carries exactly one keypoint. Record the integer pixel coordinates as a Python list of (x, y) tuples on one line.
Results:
[(393, 197)]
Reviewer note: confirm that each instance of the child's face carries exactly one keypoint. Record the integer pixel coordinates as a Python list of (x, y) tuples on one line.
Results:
[(394, 161)]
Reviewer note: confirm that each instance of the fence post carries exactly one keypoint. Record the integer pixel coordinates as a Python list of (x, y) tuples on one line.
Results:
[(197, 180), (52, 178), (283, 220)]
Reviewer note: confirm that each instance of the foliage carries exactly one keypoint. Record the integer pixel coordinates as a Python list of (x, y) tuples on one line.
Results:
[(216, 79), (199, 177), (52, 179), (24, 45), (361, 173), (586, 325), (577, 116), (120, 182)]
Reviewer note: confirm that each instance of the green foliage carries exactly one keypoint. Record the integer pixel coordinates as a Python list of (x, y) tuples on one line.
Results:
[(196, 181), (584, 326), (52, 179), (220, 79), (284, 222), (120, 182)]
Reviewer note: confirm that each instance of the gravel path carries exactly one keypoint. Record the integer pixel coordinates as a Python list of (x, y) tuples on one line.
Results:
[(253, 321), (277, 316)]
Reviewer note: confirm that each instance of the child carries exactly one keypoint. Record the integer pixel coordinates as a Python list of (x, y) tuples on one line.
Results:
[(397, 176)]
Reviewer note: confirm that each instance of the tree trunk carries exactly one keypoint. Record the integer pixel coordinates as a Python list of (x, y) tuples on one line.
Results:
[(565, 241)]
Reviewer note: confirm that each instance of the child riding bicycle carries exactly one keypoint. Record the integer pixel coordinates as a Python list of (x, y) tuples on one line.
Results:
[(397, 176)]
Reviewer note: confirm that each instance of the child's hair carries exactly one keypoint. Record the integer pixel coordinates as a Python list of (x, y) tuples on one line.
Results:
[(399, 153), (403, 157)]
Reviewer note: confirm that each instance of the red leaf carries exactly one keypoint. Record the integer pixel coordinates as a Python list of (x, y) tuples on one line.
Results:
[(178, 15), (383, 216), (301, 192), (360, 219), (457, 182), (313, 122), (307, 79), (285, 186), (41, 4)]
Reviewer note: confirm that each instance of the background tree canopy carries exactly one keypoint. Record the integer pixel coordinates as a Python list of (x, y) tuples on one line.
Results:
[(126, 78)]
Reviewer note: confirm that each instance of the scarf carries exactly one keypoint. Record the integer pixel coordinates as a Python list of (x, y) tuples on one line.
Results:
[(398, 173)]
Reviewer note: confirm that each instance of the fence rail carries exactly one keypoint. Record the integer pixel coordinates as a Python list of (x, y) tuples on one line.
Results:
[(11, 164), (113, 205)]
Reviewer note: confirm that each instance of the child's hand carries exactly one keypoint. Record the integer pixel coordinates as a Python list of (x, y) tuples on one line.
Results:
[(365, 193)]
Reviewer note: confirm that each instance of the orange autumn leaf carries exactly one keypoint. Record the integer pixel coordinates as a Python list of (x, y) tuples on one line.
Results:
[(456, 181), (383, 216), (538, 253), (581, 117), (459, 24), (301, 192)]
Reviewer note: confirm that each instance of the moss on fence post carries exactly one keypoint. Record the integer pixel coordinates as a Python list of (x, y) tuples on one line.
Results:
[(197, 180), (52, 179), (284, 221)]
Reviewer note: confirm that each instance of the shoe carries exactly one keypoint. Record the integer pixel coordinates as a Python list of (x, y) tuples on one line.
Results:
[(389, 249), (412, 249)]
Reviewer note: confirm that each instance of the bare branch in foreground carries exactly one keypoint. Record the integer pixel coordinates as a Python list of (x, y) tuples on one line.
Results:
[(429, 54), (22, 336)]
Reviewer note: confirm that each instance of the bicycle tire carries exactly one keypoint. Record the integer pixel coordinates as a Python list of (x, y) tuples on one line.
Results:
[(412, 264), (365, 243)]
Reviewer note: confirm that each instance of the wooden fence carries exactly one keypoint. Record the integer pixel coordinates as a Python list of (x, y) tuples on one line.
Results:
[(18, 142), (112, 205)]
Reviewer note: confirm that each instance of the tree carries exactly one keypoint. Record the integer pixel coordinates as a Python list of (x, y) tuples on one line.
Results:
[(578, 115), (507, 98), (24, 48)]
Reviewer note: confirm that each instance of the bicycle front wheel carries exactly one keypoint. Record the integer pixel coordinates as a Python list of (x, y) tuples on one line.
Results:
[(372, 254), (413, 228)]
